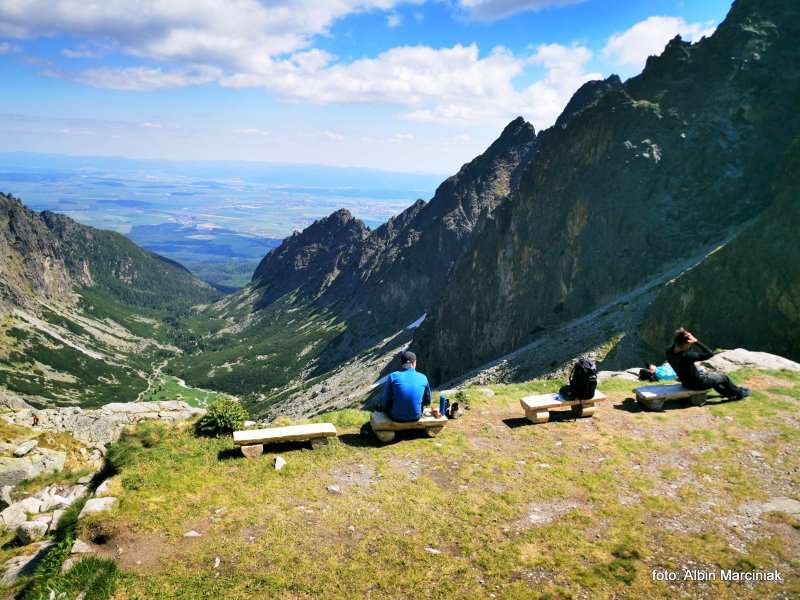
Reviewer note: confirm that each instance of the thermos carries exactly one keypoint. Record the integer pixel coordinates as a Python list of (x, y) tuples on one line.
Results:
[(442, 405)]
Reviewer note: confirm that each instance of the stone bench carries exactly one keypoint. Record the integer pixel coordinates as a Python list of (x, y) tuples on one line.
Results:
[(251, 441), (652, 397), (537, 408), (386, 429)]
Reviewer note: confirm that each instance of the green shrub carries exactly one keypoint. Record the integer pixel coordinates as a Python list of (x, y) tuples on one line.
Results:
[(224, 416)]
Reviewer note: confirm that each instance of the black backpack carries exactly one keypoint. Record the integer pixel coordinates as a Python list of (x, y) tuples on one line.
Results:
[(583, 380)]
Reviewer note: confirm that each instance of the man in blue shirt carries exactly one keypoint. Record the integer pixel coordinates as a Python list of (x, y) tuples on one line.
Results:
[(406, 392)]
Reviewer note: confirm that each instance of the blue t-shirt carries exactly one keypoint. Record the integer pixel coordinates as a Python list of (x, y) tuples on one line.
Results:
[(404, 395)]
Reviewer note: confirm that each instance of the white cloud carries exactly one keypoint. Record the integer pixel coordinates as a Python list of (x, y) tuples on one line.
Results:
[(631, 47), (252, 131), (492, 10), (224, 33), (394, 20), (399, 138), (139, 79), (79, 53), (541, 102), (251, 43), (9, 48), (151, 125)]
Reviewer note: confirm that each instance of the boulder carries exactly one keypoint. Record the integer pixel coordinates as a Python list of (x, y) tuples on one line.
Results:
[(96, 505), (731, 360), (102, 489), (22, 565), (622, 375), (34, 463), (25, 447), (13, 516), (81, 547), (31, 505), (31, 531)]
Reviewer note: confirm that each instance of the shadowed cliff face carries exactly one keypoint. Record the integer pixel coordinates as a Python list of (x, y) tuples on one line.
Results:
[(647, 174), (748, 292)]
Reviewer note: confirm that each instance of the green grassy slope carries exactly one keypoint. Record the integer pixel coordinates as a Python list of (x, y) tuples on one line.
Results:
[(492, 507)]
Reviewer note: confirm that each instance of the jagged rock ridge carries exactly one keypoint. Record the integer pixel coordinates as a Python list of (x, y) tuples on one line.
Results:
[(650, 173)]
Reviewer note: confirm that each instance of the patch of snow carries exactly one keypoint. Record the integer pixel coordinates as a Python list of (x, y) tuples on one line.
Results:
[(418, 322)]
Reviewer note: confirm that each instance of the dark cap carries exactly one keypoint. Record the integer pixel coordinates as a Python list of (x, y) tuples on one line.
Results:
[(407, 357)]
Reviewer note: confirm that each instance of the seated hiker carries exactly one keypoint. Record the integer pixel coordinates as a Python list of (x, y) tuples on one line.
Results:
[(406, 392), (682, 356)]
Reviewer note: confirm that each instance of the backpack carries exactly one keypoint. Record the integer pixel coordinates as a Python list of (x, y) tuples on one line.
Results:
[(583, 380)]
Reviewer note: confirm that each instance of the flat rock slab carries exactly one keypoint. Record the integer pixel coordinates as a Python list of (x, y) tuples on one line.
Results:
[(380, 421), (291, 433)]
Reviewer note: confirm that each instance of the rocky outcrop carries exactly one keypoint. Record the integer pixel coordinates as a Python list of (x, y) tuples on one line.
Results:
[(650, 174), (394, 271), (99, 428), (732, 360), (14, 470), (46, 501), (50, 256)]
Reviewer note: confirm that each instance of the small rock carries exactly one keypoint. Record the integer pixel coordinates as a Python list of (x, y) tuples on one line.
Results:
[(5, 494), (96, 505), (31, 531), (351, 528), (334, 489), (544, 466), (192, 534), (86, 479), (68, 564), (25, 447), (279, 463), (559, 444), (81, 547), (432, 550), (102, 489), (216, 562)]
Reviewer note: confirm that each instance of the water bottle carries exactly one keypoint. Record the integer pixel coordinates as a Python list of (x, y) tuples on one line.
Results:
[(442, 405)]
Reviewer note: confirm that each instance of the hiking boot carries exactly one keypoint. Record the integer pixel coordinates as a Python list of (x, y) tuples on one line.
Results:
[(742, 394)]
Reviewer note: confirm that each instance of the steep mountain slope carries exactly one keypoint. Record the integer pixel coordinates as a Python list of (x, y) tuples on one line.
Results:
[(337, 289), (646, 176), (750, 289), (82, 310)]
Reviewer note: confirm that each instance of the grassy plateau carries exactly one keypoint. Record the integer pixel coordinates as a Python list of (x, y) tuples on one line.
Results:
[(493, 507)]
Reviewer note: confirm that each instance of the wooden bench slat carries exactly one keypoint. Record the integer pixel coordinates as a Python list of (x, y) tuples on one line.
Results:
[(381, 422), (290, 433), (545, 401)]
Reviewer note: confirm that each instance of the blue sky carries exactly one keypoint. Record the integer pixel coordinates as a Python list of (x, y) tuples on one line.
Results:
[(412, 86)]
